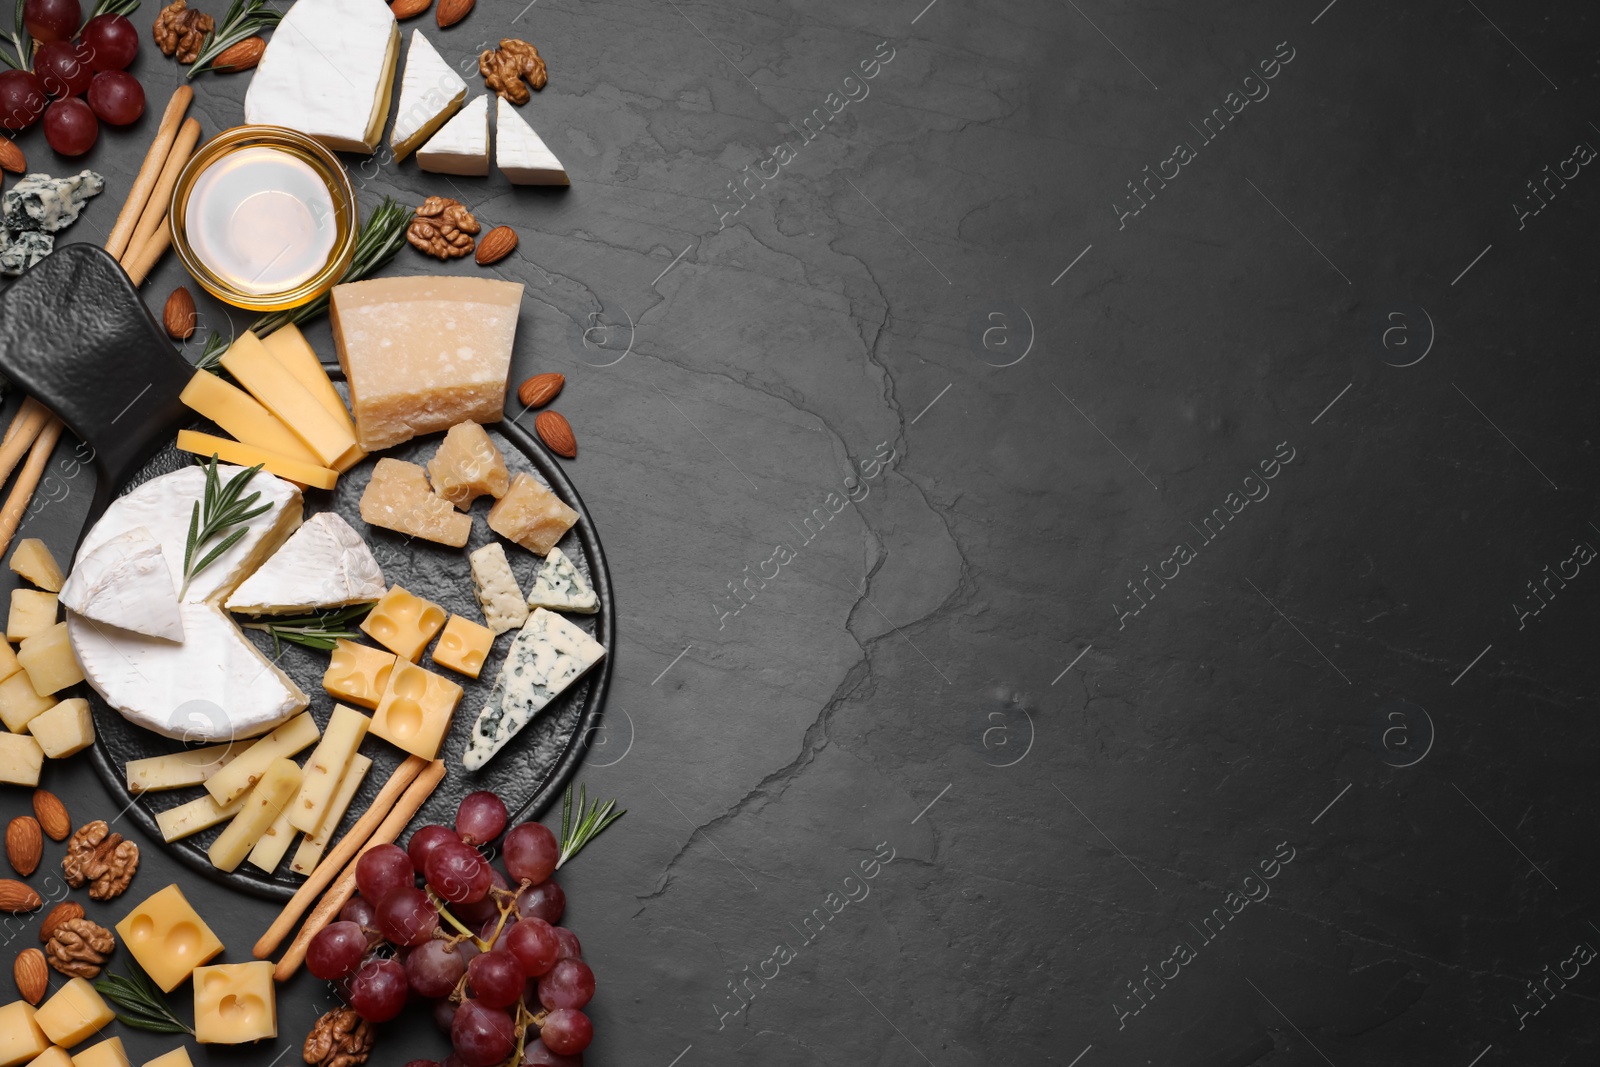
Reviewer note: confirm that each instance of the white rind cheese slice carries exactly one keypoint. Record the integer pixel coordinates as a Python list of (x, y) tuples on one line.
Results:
[(496, 588), (462, 146), (547, 656), (559, 587), (324, 564), (430, 92), (521, 154), (328, 72), (125, 583)]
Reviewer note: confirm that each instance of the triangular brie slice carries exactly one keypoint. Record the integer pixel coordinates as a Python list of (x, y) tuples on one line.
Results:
[(520, 153), (462, 146), (430, 92), (324, 564), (559, 587), (126, 583)]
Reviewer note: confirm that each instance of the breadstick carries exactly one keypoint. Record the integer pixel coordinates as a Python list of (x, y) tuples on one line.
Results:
[(30, 419), (139, 264), (336, 898), (149, 171), (27, 481), (161, 195), (325, 871), (29, 405)]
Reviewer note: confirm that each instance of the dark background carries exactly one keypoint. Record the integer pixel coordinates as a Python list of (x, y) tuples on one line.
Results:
[(942, 668)]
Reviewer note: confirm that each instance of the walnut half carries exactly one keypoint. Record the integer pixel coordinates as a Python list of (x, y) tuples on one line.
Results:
[(504, 68), (78, 947), (443, 228), (102, 859), (341, 1038), (182, 31)]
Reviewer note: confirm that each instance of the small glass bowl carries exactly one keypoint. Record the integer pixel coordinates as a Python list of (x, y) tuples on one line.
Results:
[(326, 166)]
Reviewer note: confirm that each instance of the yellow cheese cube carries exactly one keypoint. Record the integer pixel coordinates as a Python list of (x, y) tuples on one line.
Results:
[(233, 409), (54, 1056), (232, 781), (278, 785), (107, 1053), (403, 622), (178, 1057), (468, 466), (346, 728), (48, 659), (253, 367), (21, 758), (32, 612), (234, 1003), (65, 729), (20, 1037), (399, 498), (531, 515), (199, 814), (168, 938), (415, 711), (8, 661), (311, 473), (35, 564), (73, 1013), (20, 703), (463, 646), (358, 673)]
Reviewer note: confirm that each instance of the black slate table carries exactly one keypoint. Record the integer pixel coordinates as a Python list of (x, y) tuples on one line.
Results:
[(1101, 512)]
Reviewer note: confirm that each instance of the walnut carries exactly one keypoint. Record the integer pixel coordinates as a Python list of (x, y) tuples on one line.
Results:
[(341, 1038), (101, 858), (78, 947), (180, 30), (442, 228), (504, 68)]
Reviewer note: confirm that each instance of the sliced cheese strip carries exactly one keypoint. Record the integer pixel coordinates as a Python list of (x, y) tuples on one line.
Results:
[(176, 770), (430, 92), (248, 360), (521, 154), (125, 583), (306, 473), (199, 814), (290, 347), (462, 145), (324, 564), (238, 413), (547, 656), (312, 846), (559, 587)]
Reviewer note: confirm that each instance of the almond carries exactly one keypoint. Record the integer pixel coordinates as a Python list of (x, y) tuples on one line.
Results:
[(453, 11), (52, 815), (496, 245), (554, 430), (11, 156), (24, 844), (17, 896), (67, 909), (539, 390), (409, 9), (241, 56), (32, 974), (178, 316)]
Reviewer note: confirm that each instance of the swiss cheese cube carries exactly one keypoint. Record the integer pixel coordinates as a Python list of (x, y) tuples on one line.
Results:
[(266, 802), (21, 758), (168, 938), (178, 1057), (65, 729), (107, 1053), (54, 1056), (33, 561), (467, 466), (531, 515), (270, 382), (463, 646), (415, 711), (234, 1003), (48, 659), (403, 623), (399, 498), (357, 673), (20, 703), (20, 1037), (73, 1013), (423, 353), (32, 612)]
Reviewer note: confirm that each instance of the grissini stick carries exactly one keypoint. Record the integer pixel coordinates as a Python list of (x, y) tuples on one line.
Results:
[(161, 195), (140, 263), (28, 481), (25, 425), (341, 854), (17, 420), (149, 171)]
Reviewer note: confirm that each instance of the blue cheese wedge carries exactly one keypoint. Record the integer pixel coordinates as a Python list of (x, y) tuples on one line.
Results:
[(497, 590), (40, 202), (548, 655), (19, 253), (559, 587)]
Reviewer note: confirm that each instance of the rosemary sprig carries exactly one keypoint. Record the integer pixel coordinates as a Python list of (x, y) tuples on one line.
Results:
[(143, 1005), (211, 356), (20, 41), (113, 7), (381, 237), (245, 18), (591, 822), (224, 508), (319, 629)]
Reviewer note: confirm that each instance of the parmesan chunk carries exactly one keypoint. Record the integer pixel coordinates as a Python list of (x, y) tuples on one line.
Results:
[(398, 498), (531, 515), (468, 466)]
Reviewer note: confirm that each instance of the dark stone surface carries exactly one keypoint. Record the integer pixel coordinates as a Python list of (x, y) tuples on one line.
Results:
[(1067, 797)]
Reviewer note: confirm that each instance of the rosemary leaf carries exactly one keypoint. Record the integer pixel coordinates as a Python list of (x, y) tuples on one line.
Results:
[(591, 822), (319, 630), (143, 1005), (245, 18), (381, 237), (215, 516), (211, 356), (113, 7)]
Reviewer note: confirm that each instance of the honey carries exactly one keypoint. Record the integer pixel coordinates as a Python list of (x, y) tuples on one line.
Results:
[(262, 219)]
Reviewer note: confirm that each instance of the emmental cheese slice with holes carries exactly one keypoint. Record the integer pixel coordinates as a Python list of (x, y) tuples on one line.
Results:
[(521, 154), (324, 564), (328, 72), (430, 92), (424, 353)]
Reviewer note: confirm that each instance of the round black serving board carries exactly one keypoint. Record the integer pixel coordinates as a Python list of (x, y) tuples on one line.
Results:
[(529, 773)]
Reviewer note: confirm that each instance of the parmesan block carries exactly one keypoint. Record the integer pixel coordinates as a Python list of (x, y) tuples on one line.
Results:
[(398, 498), (423, 353), (531, 515), (34, 563), (468, 466), (180, 769)]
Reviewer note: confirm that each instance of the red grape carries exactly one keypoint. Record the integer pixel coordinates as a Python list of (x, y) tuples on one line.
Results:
[(457, 872), (51, 20), (63, 67), (546, 901), (70, 126), (406, 916), (359, 910), (481, 817), (378, 990), (22, 99), (569, 984), (482, 1035), (536, 1054), (566, 1031), (434, 968), (117, 97), (424, 841), (483, 910), (531, 853), (495, 979), (382, 869), (444, 1014), (453, 1060), (111, 41), (533, 942), (336, 950), (570, 949)]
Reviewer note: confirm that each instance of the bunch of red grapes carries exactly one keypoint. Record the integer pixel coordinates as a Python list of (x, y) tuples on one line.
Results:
[(505, 980), (70, 64)]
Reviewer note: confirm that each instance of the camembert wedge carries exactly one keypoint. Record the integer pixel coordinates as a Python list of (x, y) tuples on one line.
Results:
[(126, 583), (430, 92), (324, 564), (521, 154), (462, 145)]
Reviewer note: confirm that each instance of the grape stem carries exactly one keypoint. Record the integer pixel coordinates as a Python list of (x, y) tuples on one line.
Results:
[(444, 913)]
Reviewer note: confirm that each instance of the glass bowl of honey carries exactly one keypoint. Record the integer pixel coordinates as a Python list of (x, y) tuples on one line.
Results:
[(264, 218)]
